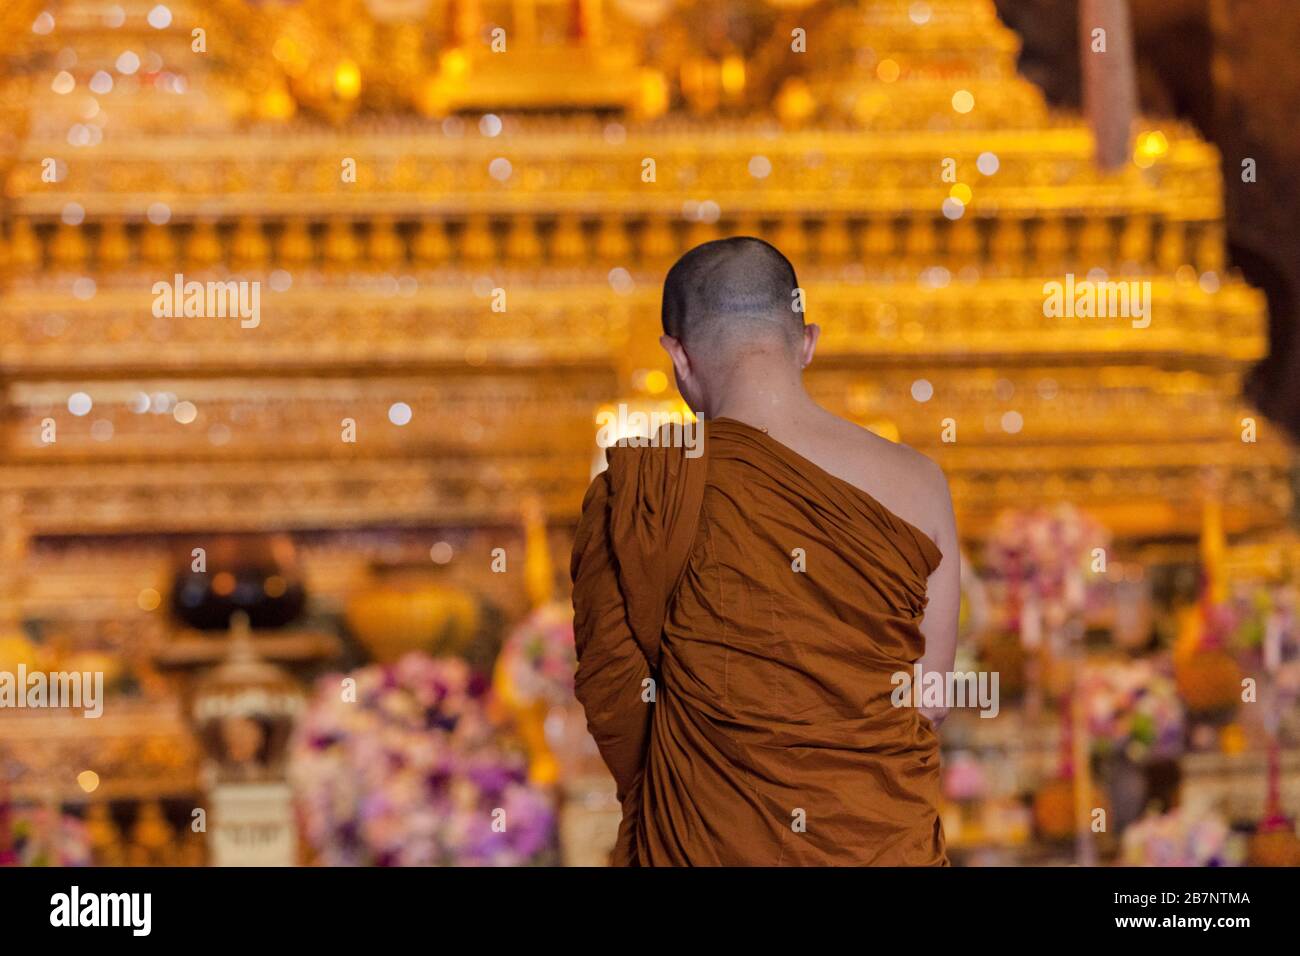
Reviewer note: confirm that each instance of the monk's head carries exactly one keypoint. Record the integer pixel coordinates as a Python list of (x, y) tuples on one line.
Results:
[(733, 310)]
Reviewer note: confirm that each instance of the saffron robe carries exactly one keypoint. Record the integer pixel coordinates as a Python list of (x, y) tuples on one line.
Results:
[(742, 706)]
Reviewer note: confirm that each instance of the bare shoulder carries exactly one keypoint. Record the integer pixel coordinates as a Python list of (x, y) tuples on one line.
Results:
[(910, 484), (899, 461)]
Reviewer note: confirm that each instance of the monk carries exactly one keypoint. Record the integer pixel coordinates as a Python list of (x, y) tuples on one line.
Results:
[(741, 614)]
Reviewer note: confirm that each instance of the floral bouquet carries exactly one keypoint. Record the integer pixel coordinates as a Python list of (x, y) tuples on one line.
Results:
[(1253, 630), (1179, 838), (1041, 563), (403, 767), (538, 659), (42, 836), (1133, 709), (1264, 637), (1258, 623)]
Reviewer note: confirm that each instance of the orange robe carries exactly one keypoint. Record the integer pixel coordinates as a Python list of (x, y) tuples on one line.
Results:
[(743, 706)]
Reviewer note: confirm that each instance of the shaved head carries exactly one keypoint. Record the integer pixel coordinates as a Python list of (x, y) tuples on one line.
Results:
[(730, 292)]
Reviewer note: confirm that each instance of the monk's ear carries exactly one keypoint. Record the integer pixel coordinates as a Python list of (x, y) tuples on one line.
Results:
[(681, 361), (811, 333)]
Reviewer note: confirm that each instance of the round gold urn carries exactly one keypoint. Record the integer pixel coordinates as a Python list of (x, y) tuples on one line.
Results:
[(407, 611)]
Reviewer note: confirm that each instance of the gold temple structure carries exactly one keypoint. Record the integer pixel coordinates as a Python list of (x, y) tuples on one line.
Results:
[(480, 234)]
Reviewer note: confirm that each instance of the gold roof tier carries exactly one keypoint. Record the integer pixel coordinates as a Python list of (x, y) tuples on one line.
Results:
[(480, 415), (475, 412), (896, 65), (389, 325), (1134, 442), (1143, 491), (335, 60), (112, 498), (570, 165)]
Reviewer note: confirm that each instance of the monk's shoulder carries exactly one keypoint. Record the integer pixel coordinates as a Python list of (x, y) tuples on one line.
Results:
[(893, 456), (921, 468), (911, 476)]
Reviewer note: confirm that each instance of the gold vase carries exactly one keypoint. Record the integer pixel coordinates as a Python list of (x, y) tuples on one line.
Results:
[(409, 612)]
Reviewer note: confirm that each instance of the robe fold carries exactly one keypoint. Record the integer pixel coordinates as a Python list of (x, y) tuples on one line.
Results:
[(739, 619)]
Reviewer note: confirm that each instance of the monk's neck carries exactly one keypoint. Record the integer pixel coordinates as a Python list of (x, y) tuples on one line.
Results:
[(760, 399)]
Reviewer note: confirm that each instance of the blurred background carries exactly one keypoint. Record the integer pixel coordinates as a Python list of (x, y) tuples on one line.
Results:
[(319, 554)]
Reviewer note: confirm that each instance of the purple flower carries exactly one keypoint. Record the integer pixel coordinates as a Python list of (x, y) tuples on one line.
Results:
[(414, 773)]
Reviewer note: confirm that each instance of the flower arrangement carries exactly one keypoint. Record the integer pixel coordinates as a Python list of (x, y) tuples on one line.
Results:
[(42, 836), (1132, 708), (1262, 624), (1179, 838), (538, 659), (1252, 629), (1041, 563), (1258, 622), (404, 767)]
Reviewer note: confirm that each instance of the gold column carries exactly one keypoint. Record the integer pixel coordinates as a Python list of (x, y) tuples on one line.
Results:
[(249, 246), (612, 244), (24, 245), (1171, 251), (203, 248), (878, 239), (114, 245), (157, 245), (341, 246), (524, 21), (476, 244), (791, 238), (920, 242), (69, 246), (1007, 244), (963, 240), (384, 246), (1050, 243), (1094, 241), (834, 243), (657, 242), (1135, 240), (431, 245), (593, 21), (296, 245), (568, 244), (1209, 248), (522, 244)]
